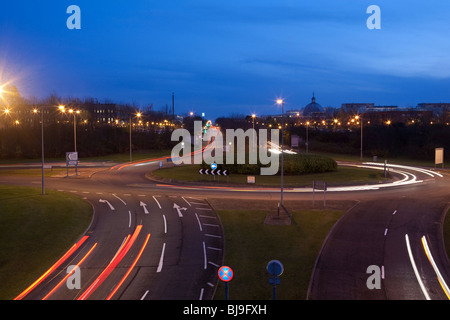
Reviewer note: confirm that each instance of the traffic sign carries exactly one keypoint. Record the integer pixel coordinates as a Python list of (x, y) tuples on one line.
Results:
[(213, 166), (225, 273), (71, 158), (213, 172), (275, 268)]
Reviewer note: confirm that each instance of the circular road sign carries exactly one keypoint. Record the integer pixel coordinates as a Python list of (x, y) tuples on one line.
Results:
[(225, 273), (275, 268), (213, 166)]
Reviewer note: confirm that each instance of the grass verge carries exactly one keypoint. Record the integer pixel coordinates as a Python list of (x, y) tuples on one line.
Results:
[(35, 231), (250, 245)]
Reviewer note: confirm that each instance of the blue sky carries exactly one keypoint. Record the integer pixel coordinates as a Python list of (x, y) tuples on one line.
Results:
[(223, 57)]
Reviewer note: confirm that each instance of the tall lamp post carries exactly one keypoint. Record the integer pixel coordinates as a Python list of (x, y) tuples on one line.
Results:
[(361, 121), (74, 127), (253, 132), (307, 142), (131, 152), (35, 111), (281, 101)]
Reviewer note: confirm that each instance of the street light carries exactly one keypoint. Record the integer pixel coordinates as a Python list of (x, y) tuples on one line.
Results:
[(131, 152), (35, 111), (74, 127), (307, 142), (361, 121), (253, 132), (281, 101)]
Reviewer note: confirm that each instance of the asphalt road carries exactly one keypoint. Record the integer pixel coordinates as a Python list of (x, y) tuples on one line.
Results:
[(173, 250), (172, 255)]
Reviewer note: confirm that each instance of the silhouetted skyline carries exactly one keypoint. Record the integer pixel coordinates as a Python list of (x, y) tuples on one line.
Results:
[(225, 57)]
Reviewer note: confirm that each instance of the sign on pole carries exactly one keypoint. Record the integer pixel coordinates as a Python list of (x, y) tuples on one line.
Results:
[(275, 269), (225, 274), (439, 157), (72, 160), (320, 185)]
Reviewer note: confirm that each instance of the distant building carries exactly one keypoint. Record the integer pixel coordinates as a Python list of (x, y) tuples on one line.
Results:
[(441, 111), (383, 115), (356, 108), (313, 109)]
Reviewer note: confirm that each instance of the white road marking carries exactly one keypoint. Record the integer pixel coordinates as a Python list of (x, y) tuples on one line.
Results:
[(416, 272), (157, 202), (201, 294), (436, 269), (186, 201), (203, 216), (129, 220), (199, 224), (212, 235), (211, 225), (215, 265), (114, 195), (165, 223), (145, 294), (161, 260), (118, 249), (204, 256), (199, 203)]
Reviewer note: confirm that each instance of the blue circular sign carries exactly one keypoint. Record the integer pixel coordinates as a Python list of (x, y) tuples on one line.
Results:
[(213, 166), (225, 273), (275, 268)]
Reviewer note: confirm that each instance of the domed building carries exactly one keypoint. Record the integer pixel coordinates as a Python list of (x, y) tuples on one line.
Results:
[(313, 110)]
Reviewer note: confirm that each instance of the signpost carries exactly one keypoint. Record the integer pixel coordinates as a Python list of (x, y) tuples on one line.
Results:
[(319, 185), (72, 160), (225, 274), (275, 269), (439, 157)]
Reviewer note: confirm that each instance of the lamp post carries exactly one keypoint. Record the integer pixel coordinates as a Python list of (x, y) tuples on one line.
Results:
[(281, 101), (74, 127), (35, 111), (307, 142), (131, 152), (253, 132), (361, 121)]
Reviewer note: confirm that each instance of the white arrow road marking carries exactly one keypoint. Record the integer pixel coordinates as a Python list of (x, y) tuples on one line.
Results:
[(144, 206), (179, 209), (107, 202)]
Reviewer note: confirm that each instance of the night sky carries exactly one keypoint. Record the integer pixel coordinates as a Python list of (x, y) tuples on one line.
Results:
[(225, 57)]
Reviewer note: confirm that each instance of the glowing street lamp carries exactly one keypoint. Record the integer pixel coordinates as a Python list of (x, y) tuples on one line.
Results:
[(131, 152), (281, 102), (74, 112), (357, 118)]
